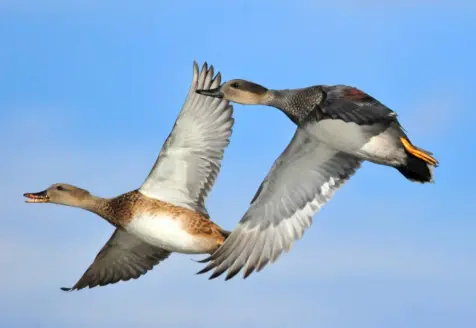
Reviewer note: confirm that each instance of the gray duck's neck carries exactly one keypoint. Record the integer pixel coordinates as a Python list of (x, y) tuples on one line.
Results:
[(297, 104)]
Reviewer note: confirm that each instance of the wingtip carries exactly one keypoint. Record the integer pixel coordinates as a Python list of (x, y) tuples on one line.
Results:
[(217, 78), (66, 289), (247, 272), (195, 71), (215, 274), (205, 260), (211, 71), (204, 270), (231, 274)]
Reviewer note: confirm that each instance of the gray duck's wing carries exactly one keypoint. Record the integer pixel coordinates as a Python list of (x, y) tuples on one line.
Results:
[(123, 257), (352, 105), (302, 179), (190, 160)]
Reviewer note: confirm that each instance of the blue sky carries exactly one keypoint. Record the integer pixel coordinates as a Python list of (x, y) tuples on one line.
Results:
[(89, 91)]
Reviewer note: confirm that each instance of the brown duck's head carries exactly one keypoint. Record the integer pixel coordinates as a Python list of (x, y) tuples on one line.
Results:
[(59, 193)]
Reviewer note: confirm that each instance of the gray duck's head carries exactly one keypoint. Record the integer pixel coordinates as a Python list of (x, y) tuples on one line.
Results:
[(239, 91)]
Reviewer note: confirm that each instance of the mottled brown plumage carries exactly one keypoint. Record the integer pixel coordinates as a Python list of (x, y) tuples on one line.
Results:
[(121, 210), (167, 213)]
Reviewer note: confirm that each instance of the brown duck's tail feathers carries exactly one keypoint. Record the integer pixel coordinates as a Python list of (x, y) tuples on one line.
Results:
[(419, 164), (225, 233)]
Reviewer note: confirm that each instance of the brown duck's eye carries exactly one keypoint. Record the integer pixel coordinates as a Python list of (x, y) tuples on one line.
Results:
[(60, 188), (235, 85)]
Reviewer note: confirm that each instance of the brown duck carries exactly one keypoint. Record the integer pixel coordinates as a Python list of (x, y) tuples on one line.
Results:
[(167, 213)]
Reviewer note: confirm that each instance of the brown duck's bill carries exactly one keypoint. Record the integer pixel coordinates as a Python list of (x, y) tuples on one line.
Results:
[(211, 92), (37, 197)]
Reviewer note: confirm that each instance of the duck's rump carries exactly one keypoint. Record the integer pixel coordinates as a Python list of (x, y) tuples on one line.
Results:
[(377, 143)]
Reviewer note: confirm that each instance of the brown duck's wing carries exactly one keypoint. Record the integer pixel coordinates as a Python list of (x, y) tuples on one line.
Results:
[(190, 159), (123, 257)]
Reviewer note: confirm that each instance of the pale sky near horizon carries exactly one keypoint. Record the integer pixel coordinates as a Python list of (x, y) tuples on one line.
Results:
[(89, 90)]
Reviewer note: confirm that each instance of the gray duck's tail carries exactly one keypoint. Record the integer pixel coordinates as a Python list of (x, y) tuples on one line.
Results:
[(419, 164)]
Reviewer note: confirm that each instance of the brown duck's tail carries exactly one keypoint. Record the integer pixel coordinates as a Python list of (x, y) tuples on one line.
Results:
[(419, 165), (220, 241), (225, 233)]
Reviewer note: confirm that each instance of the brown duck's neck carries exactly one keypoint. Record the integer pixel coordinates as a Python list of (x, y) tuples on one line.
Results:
[(118, 210), (102, 207)]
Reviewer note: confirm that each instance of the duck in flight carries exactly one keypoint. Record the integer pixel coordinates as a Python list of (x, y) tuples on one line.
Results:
[(167, 213), (338, 127)]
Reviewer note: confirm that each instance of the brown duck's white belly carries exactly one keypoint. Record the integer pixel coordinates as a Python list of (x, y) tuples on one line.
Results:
[(374, 143), (168, 232)]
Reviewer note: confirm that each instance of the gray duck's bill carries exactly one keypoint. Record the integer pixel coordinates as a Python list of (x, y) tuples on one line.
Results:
[(211, 92)]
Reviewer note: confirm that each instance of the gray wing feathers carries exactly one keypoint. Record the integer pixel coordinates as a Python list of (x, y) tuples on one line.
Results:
[(353, 105), (123, 257), (190, 159), (302, 179)]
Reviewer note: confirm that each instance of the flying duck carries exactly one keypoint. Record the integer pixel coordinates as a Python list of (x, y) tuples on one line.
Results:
[(338, 127), (167, 213)]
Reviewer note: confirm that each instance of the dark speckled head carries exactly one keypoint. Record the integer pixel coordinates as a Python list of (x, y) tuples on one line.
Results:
[(239, 91)]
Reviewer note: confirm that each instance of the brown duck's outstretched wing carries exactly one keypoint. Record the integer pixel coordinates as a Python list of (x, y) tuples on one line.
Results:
[(190, 159), (123, 257)]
